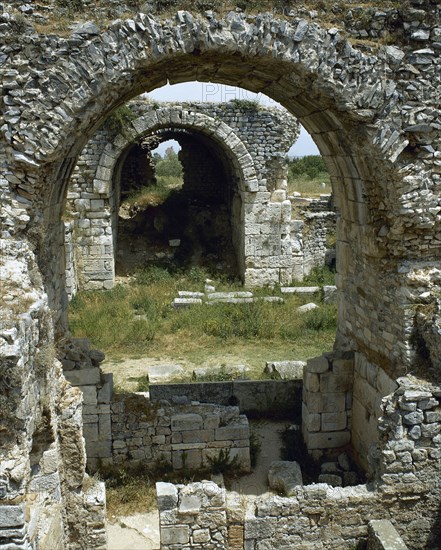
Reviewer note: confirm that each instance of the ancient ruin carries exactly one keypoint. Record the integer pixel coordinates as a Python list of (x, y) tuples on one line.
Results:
[(250, 146), (367, 89)]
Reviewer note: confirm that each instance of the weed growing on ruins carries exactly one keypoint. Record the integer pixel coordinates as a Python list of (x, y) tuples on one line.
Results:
[(127, 490), (223, 463)]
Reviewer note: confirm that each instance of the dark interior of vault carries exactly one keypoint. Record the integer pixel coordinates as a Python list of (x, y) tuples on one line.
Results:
[(185, 226)]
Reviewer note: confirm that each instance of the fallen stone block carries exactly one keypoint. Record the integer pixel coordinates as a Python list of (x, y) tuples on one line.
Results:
[(163, 373), (228, 295), (189, 294), (285, 476), (285, 370), (186, 302), (307, 307), (299, 289), (382, 535)]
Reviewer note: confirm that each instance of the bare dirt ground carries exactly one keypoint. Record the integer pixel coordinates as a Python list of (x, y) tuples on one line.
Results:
[(256, 483), (138, 532)]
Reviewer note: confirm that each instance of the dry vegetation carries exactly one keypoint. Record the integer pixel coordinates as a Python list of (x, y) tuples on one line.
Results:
[(61, 13)]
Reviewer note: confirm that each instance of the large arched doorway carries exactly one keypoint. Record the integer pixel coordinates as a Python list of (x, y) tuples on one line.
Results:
[(354, 114)]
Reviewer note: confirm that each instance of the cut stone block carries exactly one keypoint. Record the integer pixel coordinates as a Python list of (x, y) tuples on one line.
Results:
[(105, 393), (229, 433), (307, 307), (285, 370), (330, 294), (299, 289), (285, 476), (318, 364), (167, 496), (328, 440), (189, 504), (83, 377), (163, 373), (228, 295), (12, 516), (175, 535), (185, 422), (382, 534), (189, 294), (334, 422)]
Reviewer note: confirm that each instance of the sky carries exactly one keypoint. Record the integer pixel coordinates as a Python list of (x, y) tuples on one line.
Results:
[(203, 91)]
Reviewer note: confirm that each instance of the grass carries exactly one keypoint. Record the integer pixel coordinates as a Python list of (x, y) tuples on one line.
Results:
[(309, 187), (103, 12), (128, 491), (137, 320), (154, 195)]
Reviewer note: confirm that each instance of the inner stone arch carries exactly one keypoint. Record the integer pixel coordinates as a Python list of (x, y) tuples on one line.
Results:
[(247, 174)]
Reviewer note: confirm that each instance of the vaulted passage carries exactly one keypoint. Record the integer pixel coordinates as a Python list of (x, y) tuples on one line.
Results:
[(217, 220), (191, 225)]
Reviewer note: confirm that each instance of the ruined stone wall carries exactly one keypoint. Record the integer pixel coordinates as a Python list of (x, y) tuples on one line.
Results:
[(374, 114), (262, 136), (314, 233), (187, 436), (323, 517)]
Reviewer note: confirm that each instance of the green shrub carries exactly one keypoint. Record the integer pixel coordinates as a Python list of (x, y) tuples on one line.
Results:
[(251, 104), (152, 275), (322, 318), (223, 464), (310, 165), (319, 276)]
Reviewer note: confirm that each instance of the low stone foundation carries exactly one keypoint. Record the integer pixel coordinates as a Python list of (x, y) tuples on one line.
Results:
[(184, 437), (263, 397)]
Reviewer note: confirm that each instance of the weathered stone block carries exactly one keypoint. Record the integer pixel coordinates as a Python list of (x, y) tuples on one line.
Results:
[(227, 433), (186, 422), (89, 395), (383, 535), (328, 440), (333, 422), (190, 504), (285, 476), (105, 392), (167, 496), (12, 516), (197, 436), (335, 383), (83, 377), (317, 365), (175, 535)]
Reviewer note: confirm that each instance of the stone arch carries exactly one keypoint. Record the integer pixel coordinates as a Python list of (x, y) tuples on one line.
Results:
[(177, 117), (91, 254), (356, 107)]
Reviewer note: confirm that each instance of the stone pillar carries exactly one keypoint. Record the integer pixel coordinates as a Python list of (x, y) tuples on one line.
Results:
[(327, 403)]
